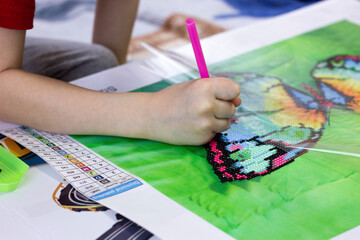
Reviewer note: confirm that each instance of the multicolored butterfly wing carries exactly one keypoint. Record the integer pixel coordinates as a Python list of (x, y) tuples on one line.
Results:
[(275, 124), (338, 79)]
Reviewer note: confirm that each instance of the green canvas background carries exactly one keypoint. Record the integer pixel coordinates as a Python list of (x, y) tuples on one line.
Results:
[(315, 197)]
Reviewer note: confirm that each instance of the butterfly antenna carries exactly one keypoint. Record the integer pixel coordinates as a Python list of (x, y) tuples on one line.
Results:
[(328, 111)]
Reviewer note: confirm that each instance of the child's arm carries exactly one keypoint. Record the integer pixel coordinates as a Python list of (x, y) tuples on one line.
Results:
[(190, 113), (114, 20), (187, 113)]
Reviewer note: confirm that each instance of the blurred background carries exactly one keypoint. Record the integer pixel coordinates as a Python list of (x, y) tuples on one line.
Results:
[(159, 22)]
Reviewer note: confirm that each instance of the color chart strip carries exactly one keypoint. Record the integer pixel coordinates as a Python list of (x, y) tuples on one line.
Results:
[(92, 175)]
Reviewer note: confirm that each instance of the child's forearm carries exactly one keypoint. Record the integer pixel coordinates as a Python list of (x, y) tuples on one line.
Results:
[(187, 113), (51, 105)]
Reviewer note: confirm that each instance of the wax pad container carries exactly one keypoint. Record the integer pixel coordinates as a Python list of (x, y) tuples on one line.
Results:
[(12, 170)]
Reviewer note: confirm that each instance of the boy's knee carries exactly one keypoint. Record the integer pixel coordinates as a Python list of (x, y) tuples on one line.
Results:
[(88, 59), (65, 60), (102, 57)]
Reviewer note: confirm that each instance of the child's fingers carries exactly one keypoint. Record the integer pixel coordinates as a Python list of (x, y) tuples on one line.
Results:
[(221, 125), (224, 109), (226, 89), (236, 101)]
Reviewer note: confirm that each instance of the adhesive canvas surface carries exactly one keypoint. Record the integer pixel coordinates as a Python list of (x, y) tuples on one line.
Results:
[(316, 196), (278, 123)]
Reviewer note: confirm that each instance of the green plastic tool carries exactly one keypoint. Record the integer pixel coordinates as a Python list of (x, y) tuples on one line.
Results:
[(12, 170)]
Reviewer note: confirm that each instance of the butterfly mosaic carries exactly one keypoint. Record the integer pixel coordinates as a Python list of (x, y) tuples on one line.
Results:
[(277, 123)]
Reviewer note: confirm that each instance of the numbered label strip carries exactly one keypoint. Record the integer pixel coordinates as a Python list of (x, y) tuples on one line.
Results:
[(92, 175)]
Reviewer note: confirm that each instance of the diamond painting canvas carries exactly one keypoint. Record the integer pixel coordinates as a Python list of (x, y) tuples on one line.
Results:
[(277, 123), (289, 165)]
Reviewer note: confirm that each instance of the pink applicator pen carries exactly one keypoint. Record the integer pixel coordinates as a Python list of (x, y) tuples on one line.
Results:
[(195, 42)]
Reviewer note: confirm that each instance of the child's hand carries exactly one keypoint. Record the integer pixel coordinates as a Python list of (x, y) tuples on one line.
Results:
[(192, 112)]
